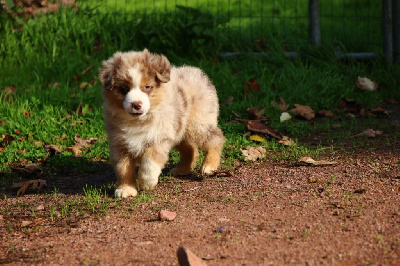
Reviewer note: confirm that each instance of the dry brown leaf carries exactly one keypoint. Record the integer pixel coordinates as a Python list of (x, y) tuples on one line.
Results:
[(76, 149), (228, 101), (79, 110), (26, 113), (369, 133), (349, 105), (23, 186), (287, 141), (30, 168), (310, 161), (9, 90), (303, 110), (6, 139), (251, 86), (281, 105), (88, 69), (257, 126), (366, 84), (85, 142), (327, 113), (26, 223), (254, 153), (379, 111), (254, 114)]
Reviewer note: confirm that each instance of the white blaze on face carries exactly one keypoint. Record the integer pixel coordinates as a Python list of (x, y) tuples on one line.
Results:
[(136, 95)]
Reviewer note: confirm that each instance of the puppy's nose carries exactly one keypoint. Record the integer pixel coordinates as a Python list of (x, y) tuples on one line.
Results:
[(137, 105)]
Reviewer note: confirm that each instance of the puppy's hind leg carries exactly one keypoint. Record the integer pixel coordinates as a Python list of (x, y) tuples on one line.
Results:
[(213, 146), (188, 157)]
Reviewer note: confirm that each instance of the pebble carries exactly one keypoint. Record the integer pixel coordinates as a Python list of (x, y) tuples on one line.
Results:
[(166, 215)]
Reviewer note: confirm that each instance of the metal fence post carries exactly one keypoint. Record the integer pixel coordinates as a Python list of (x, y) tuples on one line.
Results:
[(387, 29), (315, 22), (396, 30)]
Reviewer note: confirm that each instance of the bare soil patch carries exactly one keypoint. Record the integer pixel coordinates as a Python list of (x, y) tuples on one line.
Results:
[(268, 212)]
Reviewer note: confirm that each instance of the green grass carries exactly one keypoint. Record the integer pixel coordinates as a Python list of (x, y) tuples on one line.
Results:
[(44, 59), (356, 23)]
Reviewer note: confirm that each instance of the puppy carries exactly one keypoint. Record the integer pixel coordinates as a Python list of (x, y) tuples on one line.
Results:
[(151, 107)]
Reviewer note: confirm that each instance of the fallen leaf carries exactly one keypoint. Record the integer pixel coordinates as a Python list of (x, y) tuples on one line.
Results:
[(257, 138), (83, 85), (257, 126), (26, 113), (32, 168), (26, 223), (392, 101), (327, 113), (379, 111), (53, 149), (88, 69), (369, 133), (165, 215), (228, 101), (39, 207), (79, 110), (23, 186), (76, 149), (304, 111), (313, 180), (349, 105), (366, 84), (85, 142), (254, 153), (284, 117), (310, 161), (254, 114), (281, 105), (287, 141), (9, 90), (6, 139), (251, 86)]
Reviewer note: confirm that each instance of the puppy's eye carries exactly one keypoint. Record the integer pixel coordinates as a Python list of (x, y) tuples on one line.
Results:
[(124, 90), (147, 88)]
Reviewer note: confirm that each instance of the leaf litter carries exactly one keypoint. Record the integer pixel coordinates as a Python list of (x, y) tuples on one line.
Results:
[(24, 186)]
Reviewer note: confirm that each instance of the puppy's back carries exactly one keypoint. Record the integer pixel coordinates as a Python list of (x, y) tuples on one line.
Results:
[(200, 93)]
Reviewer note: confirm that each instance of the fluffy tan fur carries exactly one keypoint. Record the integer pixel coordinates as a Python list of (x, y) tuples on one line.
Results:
[(183, 111)]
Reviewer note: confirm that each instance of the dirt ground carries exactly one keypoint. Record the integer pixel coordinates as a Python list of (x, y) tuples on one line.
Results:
[(269, 212)]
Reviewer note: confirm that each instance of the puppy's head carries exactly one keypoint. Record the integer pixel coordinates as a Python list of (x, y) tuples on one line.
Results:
[(134, 81)]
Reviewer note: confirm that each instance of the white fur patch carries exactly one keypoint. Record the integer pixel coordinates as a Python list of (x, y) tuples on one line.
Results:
[(207, 170), (136, 76), (148, 173), (137, 95), (125, 191)]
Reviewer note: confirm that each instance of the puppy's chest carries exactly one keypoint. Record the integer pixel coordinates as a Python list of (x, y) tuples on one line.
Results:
[(138, 138)]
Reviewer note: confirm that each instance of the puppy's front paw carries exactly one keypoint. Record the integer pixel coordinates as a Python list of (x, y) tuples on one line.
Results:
[(125, 191), (208, 169)]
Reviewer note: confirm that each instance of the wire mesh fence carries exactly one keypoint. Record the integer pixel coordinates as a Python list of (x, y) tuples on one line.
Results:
[(354, 25)]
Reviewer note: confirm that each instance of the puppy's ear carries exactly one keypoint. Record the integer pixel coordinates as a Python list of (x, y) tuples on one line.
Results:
[(109, 70), (160, 65)]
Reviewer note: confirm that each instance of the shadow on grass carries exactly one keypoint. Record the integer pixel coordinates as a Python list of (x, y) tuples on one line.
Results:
[(69, 175)]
